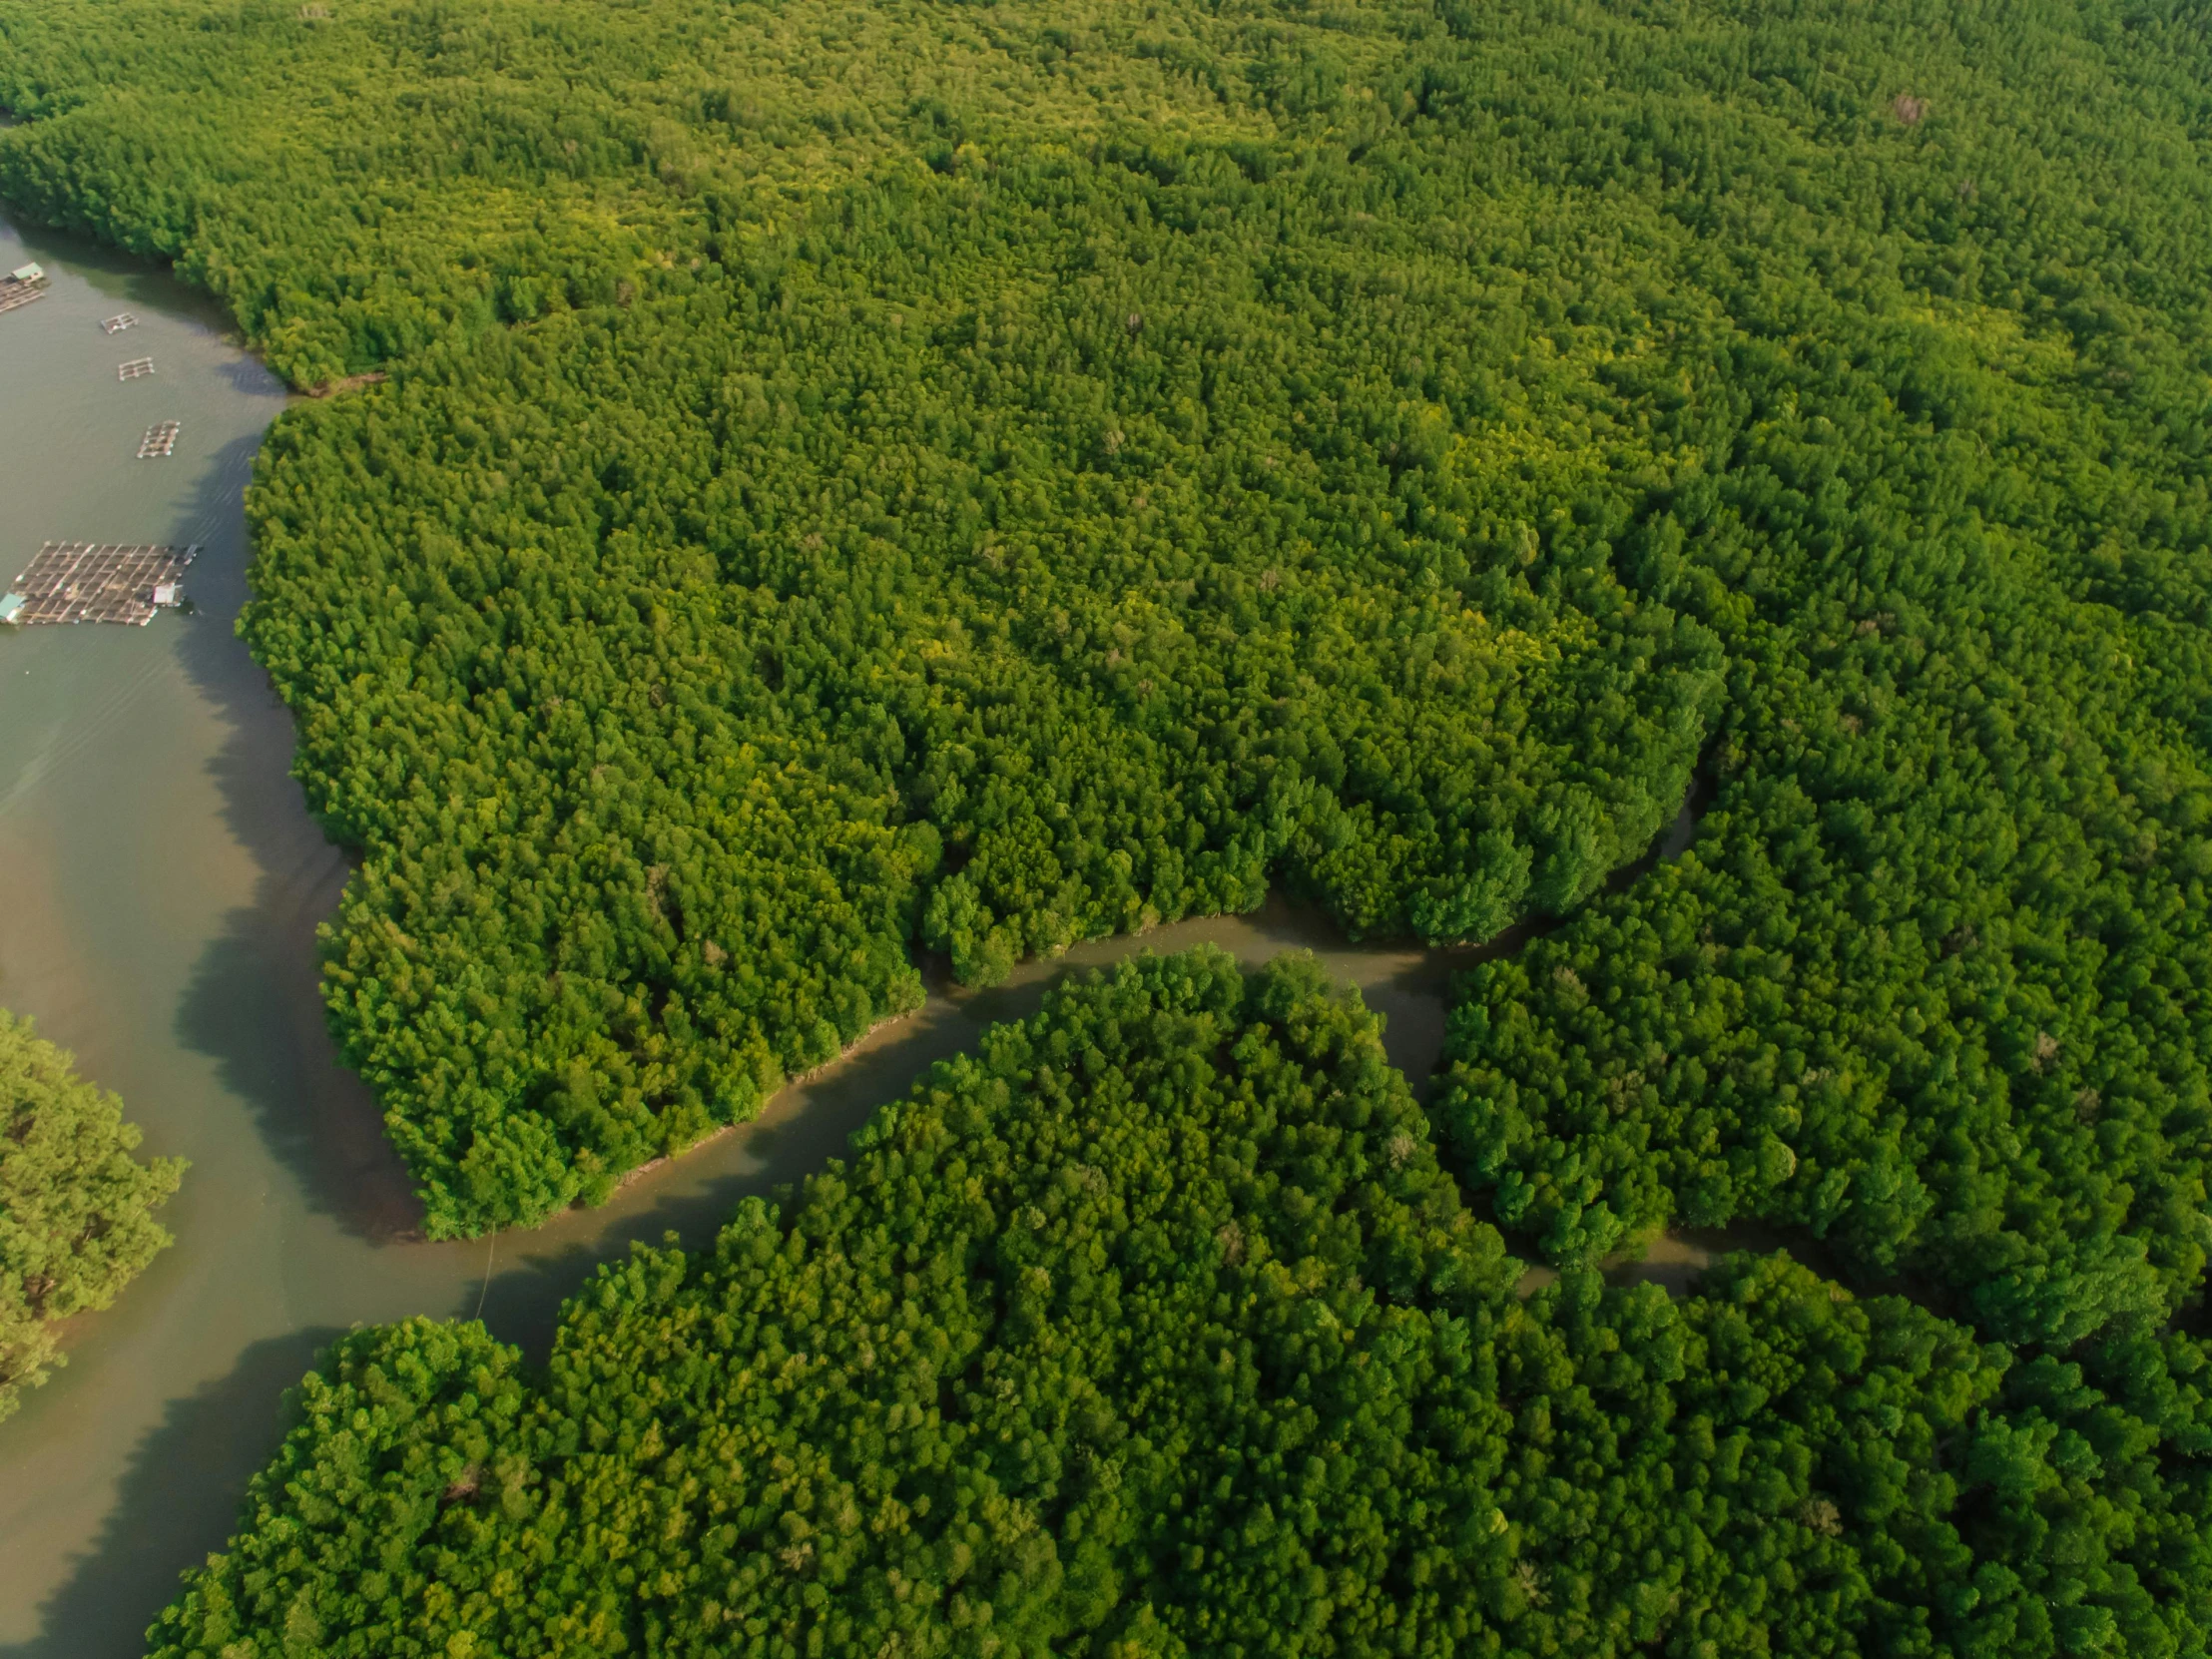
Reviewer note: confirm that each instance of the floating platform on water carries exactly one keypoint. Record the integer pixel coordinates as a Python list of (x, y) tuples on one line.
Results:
[(16, 292), (159, 439), (117, 324), (82, 581), (134, 369)]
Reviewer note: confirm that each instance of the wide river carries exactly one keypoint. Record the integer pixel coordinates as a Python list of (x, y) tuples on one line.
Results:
[(159, 888)]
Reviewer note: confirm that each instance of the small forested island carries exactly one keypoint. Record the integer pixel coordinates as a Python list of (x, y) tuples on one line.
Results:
[(76, 1207), (803, 489)]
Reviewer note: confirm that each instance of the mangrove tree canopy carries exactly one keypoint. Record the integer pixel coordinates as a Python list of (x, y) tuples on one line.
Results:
[(76, 1208), (1154, 1328)]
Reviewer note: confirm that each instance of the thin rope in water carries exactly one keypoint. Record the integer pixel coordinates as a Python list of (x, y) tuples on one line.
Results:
[(491, 1252)]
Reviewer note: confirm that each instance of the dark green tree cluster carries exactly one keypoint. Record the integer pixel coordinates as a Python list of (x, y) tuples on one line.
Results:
[(1154, 1328), (1934, 986), (76, 1208)]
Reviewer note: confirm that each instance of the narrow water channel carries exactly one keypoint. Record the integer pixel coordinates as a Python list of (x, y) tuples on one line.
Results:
[(159, 888)]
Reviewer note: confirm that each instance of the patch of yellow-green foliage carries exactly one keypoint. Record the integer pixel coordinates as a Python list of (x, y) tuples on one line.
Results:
[(76, 1208)]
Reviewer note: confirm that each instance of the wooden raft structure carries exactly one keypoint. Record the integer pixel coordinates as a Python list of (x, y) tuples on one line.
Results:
[(120, 322), (134, 369), (14, 293), (159, 439), (82, 581)]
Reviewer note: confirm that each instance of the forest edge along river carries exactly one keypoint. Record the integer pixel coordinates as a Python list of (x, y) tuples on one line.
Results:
[(164, 886)]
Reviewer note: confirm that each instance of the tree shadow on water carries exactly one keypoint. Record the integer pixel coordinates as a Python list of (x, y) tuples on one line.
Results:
[(179, 1500), (122, 276), (254, 1004)]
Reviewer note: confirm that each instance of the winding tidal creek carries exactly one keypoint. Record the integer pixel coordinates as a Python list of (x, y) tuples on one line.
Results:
[(160, 884)]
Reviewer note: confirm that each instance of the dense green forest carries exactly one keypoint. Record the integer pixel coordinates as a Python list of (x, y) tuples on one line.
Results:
[(854, 483), (1011, 543), (983, 477), (76, 1208), (1155, 1328)]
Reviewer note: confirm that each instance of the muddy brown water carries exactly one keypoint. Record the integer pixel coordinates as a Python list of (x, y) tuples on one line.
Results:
[(160, 887)]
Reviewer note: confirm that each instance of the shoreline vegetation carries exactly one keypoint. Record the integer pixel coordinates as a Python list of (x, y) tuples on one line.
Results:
[(1670, 842), (1675, 840), (1029, 1350), (978, 479), (850, 1052), (76, 1207)]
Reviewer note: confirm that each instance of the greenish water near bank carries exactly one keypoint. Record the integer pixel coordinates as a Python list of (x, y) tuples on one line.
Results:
[(160, 887)]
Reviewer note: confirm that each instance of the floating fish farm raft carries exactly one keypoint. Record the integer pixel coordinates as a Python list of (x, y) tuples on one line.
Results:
[(82, 581), (20, 288)]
